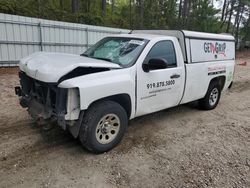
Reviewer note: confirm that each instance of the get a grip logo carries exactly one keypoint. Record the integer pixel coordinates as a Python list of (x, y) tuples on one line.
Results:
[(160, 84), (215, 48)]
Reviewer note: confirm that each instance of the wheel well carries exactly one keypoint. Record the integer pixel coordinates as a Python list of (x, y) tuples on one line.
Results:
[(220, 80), (122, 99)]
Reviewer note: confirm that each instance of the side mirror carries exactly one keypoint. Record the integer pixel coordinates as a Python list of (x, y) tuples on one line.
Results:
[(154, 64)]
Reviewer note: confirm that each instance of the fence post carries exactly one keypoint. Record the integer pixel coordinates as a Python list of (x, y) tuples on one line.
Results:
[(87, 37), (40, 36)]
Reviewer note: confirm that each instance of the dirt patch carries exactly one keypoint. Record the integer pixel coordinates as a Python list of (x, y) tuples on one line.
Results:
[(12, 70), (178, 147), (240, 86), (243, 54)]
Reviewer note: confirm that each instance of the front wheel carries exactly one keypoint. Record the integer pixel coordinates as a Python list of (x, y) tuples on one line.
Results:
[(103, 126), (211, 98)]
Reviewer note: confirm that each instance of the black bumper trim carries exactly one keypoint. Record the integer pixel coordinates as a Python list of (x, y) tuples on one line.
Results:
[(18, 91)]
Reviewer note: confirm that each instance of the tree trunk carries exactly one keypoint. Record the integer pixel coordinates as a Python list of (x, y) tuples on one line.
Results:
[(247, 26), (223, 10), (75, 6), (130, 14), (61, 4), (237, 15), (104, 3), (141, 13), (230, 15), (184, 8), (238, 25), (112, 7), (180, 10), (188, 13), (225, 14), (88, 5), (184, 12)]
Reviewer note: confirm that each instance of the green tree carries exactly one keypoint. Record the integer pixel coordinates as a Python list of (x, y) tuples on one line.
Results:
[(198, 15)]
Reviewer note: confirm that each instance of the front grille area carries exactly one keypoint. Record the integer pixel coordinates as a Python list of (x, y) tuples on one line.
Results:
[(46, 94)]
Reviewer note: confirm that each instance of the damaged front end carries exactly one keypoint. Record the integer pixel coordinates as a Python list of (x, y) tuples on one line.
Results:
[(44, 100)]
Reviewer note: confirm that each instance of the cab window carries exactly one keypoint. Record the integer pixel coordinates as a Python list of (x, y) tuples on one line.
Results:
[(165, 50)]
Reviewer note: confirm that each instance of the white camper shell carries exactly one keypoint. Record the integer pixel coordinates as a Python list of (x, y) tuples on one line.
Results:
[(93, 95), (198, 46)]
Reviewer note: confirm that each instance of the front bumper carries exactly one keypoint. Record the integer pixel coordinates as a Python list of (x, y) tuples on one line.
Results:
[(43, 100)]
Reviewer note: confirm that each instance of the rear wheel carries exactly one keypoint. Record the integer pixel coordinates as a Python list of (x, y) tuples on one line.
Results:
[(211, 98), (103, 126)]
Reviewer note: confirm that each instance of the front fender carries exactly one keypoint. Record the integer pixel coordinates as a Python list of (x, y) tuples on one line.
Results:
[(104, 84)]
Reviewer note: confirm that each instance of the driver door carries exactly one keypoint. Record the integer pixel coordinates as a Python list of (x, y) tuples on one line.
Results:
[(161, 88)]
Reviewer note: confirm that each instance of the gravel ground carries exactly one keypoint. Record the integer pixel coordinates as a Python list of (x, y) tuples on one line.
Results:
[(178, 147)]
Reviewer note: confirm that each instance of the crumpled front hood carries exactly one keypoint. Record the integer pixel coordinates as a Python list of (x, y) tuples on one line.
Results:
[(50, 67)]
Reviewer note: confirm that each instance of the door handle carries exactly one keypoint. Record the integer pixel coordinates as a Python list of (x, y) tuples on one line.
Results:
[(175, 76)]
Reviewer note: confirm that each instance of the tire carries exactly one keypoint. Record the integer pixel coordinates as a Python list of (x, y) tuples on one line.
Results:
[(103, 126), (212, 97)]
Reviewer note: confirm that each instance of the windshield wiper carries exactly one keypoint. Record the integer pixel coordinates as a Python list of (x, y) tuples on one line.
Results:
[(107, 59), (86, 55), (103, 58)]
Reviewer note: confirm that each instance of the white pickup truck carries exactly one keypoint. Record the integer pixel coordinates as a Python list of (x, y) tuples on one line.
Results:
[(93, 95)]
